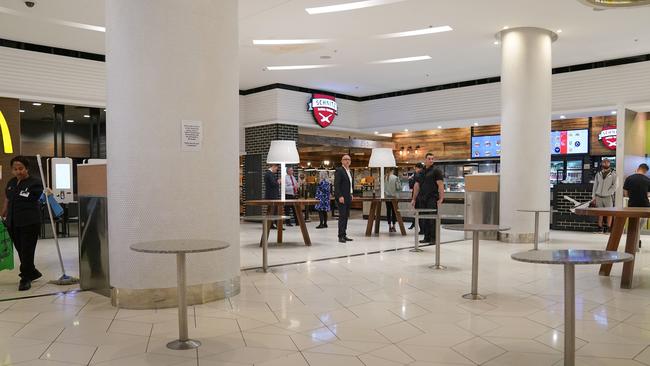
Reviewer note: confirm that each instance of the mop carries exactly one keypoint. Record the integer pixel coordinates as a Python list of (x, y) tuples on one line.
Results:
[(64, 280)]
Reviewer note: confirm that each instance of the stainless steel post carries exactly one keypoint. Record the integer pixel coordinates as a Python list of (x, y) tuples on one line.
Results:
[(265, 245), (416, 247), (437, 265), (474, 295), (569, 315), (183, 342), (536, 239)]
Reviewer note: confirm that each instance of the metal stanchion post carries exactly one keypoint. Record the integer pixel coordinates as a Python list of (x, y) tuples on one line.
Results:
[(536, 239), (417, 233), (265, 246), (569, 315), (437, 265)]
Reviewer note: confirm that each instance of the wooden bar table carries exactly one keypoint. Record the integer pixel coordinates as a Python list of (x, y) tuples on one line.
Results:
[(631, 215), (280, 204), (374, 216)]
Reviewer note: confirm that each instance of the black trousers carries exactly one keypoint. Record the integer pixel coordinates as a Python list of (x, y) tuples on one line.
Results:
[(391, 217), (344, 214), (322, 216), (288, 209), (25, 238), (427, 225)]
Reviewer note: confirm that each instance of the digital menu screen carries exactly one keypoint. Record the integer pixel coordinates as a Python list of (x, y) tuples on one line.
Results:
[(486, 146), (570, 142)]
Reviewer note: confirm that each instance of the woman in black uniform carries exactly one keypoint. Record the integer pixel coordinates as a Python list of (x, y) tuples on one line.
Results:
[(23, 218)]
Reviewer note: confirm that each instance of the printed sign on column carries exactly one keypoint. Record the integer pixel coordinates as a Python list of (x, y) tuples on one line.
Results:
[(191, 135)]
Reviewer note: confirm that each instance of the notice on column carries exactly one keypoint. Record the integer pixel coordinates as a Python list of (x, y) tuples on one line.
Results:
[(191, 135)]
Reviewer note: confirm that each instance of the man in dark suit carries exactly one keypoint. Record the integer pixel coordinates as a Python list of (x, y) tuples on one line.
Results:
[(272, 187), (343, 193)]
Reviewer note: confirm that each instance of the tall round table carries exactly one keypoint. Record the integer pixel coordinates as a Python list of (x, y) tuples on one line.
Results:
[(265, 234), (476, 229), (536, 239), (569, 258), (180, 248)]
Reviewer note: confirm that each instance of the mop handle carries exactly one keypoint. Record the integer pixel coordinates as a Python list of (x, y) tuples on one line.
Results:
[(49, 211)]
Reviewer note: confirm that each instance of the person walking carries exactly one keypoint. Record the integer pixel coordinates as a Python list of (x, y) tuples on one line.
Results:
[(636, 188), (272, 188), (602, 194), (23, 218), (343, 191), (412, 179), (428, 192), (290, 192), (323, 197), (392, 185)]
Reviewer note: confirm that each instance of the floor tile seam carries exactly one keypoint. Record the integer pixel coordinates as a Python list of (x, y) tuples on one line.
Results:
[(51, 343), (384, 358), (303, 357), (488, 341), (639, 355)]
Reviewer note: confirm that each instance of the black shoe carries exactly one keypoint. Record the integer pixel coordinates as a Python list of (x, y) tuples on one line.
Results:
[(325, 226), (273, 227), (425, 240), (320, 226), (288, 224), (347, 239), (639, 243), (24, 285), (342, 240), (37, 275), (411, 227)]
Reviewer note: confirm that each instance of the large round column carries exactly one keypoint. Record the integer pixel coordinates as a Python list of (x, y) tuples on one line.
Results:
[(169, 61), (525, 130)]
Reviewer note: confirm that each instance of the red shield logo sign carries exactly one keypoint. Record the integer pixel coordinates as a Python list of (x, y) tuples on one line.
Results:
[(323, 108), (608, 137)]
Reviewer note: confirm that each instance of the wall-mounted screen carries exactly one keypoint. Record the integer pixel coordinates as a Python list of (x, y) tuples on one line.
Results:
[(486, 146), (570, 142)]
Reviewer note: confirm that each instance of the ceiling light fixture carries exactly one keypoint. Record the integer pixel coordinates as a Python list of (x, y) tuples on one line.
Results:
[(406, 130), (21, 110), (475, 123), (506, 27), (613, 112), (562, 117), (70, 120), (496, 43), (417, 32), (376, 132), (348, 6), (439, 127), (86, 116), (287, 42), (558, 31), (404, 59), (37, 104), (295, 67)]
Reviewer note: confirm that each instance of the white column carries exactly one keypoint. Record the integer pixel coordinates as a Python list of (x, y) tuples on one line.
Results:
[(168, 61), (525, 130)]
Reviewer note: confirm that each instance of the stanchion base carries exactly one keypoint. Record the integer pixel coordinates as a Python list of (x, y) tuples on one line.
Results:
[(179, 345), (416, 250), (474, 297), (437, 266), (261, 270)]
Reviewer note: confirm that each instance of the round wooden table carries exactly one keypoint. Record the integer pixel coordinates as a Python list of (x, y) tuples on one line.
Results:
[(631, 215), (374, 216)]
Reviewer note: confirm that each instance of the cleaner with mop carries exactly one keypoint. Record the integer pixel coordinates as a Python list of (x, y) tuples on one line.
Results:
[(23, 217)]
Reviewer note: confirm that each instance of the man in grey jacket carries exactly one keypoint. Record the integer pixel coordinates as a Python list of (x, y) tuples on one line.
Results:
[(602, 194)]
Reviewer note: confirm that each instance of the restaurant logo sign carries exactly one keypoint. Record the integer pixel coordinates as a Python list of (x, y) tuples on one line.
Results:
[(323, 108), (6, 136), (608, 137)]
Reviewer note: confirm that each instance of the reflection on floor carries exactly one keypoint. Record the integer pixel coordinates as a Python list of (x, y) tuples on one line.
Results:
[(380, 309)]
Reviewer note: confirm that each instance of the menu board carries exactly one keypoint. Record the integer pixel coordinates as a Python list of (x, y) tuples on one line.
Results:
[(486, 146), (570, 142)]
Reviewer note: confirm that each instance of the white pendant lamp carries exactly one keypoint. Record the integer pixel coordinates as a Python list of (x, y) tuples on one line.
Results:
[(382, 157), (283, 152)]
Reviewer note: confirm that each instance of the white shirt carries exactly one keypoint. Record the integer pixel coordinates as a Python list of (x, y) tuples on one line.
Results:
[(291, 185), (350, 178)]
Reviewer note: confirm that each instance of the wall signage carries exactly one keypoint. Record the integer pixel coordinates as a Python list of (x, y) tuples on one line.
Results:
[(608, 137), (323, 108), (6, 136)]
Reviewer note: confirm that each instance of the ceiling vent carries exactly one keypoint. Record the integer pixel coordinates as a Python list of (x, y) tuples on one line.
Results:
[(611, 4)]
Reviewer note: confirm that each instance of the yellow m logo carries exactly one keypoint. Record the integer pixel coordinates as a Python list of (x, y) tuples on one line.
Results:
[(6, 136)]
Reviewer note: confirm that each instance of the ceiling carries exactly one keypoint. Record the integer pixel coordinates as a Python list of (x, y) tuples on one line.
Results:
[(466, 53)]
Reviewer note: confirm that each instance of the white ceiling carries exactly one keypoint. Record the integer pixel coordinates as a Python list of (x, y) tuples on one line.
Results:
[(466, 53)]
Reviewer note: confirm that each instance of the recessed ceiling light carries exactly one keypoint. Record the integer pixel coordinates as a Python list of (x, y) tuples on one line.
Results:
[(562, 117), (558, 31), (439, 126), (505, 27), (417, 32), (613, 112), (21, 110), (285, 42), (104, 110), (37, 104), (475, 123), (406, 130), (404, 59), (86, 116), (349, 6), (376, 132), (295, 67), (496, 43), (70, 120)]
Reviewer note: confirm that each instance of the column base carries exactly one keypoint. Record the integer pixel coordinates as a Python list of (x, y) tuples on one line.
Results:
[(160, 298), (521, 238)]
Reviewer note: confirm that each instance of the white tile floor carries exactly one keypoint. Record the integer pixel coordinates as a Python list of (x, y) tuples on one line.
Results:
[(378, 309)]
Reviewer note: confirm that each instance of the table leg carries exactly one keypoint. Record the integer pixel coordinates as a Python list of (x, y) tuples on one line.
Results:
[(416, 247), (377, 217), (569, 315), (612, 244), (280, 224), (474, 295), (536, 239), (265, 246), (303, 226), (183, 342), (371, 218), (437, 265), (398, 216), (631, 243)]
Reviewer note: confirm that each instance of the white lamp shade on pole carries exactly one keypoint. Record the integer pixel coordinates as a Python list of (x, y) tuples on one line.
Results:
[(283, 152), (382, 157)]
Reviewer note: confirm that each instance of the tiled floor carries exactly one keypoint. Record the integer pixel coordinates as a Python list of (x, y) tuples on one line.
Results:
[(379, 309)]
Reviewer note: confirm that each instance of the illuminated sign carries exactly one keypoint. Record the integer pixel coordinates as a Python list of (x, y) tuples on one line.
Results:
[(323, 108), (6, 136), (608, 137)]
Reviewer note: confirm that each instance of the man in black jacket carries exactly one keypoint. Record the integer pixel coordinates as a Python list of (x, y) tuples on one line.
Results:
[(272, 187), (428, 192), (343, 193)]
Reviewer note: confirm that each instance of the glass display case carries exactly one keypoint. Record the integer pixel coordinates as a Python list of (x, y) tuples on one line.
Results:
[(574, 171)]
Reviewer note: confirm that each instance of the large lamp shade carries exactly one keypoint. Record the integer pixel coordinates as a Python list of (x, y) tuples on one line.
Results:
[(382, 157), (283, 151)]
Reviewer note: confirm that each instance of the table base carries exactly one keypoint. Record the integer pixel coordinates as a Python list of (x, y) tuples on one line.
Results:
[(438, 266), (474, 297), (179, 345), (416, 250)]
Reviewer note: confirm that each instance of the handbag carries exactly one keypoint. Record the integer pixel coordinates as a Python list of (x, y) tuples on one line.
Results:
[(6, 249)]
